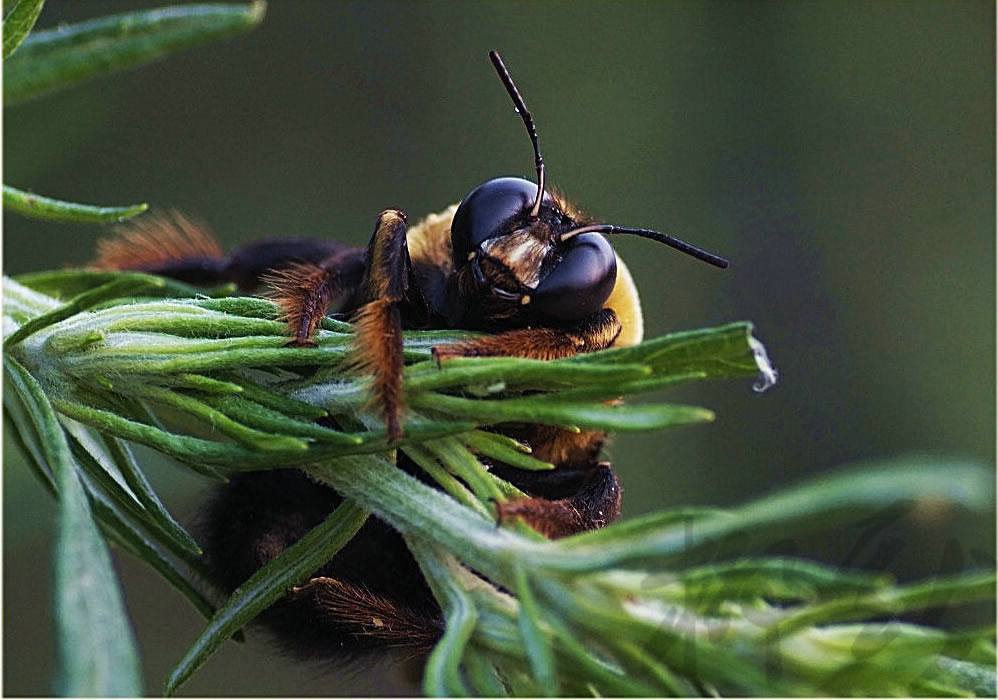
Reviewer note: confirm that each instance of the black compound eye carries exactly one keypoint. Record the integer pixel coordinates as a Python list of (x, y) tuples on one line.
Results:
[(580, 283), (487, 210)]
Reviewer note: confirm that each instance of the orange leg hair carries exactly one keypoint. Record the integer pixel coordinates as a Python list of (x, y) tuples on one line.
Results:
[(595, 333), (304, 292), (378, 323)]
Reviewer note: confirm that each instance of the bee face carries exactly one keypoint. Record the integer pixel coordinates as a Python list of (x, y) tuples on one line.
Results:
[(523, 263)]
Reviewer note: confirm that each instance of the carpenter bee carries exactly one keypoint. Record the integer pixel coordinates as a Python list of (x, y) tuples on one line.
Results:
[(513, 259)]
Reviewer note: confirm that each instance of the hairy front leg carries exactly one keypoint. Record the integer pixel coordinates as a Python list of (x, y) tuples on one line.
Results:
[(594, 333), (378, 348), (305, 290)]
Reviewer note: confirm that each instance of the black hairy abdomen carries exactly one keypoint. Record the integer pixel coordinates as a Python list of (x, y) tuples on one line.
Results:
[(257, 515)]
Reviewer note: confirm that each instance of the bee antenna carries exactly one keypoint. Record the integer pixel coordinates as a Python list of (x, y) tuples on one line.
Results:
[(680, 245), (528, 121)]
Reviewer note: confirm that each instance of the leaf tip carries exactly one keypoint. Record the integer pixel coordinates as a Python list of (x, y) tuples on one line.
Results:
[(257, 10), (131, 211), (767, 372)]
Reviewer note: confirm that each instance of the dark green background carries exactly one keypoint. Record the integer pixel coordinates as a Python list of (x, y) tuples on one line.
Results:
[(841, 154)]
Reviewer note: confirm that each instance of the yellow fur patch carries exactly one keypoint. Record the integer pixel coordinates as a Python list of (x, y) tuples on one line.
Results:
[(626, 304), (429, 240)]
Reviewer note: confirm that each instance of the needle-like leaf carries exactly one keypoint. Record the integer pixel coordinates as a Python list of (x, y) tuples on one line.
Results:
[(18, 23), (56, 58)]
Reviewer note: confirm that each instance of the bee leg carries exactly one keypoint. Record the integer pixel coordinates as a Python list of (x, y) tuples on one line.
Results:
[(594, 505), (378, 323), (594, 333), (305, 290), (372, 618)]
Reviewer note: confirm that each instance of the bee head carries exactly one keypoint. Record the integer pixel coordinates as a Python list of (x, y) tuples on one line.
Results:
[(523, 260), (521, 249)]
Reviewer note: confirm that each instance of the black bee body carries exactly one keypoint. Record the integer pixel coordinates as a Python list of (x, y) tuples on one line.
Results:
[(512, 259)]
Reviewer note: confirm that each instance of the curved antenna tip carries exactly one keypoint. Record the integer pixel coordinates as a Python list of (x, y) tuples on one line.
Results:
[(528, 121)]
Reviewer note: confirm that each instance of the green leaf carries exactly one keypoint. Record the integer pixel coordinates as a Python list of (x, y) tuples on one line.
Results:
[(552, 412), (979, 679), (268, 584), (819, 504), (935, 592), (266, 419), (223, 423), (513, 372), (482, 674), (535, 644), (201, 383), (120, 527), (610, 680), (98, 655), (194, 451), (102, 484), (64, 284), (18, 23), (264, 396), (118, 521), (462, 464), (427, 461), (35, 206), (97, 652), (23, 432), (504, 449), (251, 307), (207, 325), (64, 56), (774, 578), (442, 677), (715, 353), (117, 287), (140, 486)]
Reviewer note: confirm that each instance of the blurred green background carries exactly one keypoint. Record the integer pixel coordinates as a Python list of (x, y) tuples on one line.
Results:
[(841, 154)]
